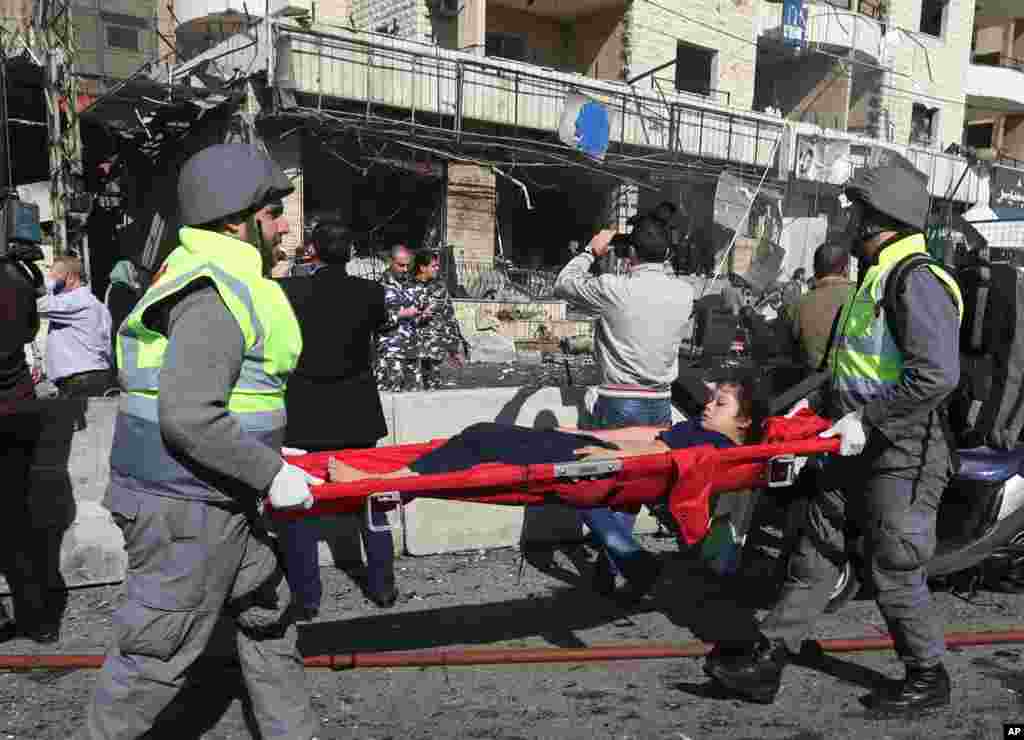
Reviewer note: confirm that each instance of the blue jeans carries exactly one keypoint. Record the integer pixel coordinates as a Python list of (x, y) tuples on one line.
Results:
[(614, 529)]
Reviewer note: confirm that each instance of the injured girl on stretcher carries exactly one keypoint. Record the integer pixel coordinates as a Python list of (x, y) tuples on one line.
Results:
[(733, 415)]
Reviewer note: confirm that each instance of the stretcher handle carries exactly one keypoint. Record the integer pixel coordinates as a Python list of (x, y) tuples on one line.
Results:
[(383, 497), (764, 452)]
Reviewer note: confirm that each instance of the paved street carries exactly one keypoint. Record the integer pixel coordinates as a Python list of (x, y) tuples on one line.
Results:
[(479, 599)]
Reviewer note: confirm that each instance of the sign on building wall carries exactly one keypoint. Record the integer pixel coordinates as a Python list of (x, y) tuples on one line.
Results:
[(587, 125), (1007, 188), (794, 23)]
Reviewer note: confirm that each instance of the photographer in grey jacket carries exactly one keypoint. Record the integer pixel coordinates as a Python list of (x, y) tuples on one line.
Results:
[(641, 318)]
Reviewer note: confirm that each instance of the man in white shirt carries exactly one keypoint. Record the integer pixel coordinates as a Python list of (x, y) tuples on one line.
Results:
[(78, 344), (642, 316)]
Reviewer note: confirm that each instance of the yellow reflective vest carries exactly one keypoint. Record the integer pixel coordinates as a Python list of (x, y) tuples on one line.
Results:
[(865, 360), (272, 343)]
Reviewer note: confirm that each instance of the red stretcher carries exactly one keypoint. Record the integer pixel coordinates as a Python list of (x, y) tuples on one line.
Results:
[(687, 477)]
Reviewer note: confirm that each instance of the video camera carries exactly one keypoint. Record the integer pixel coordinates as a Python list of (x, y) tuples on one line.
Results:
[(20, 230), (20, 237), (622, 245)]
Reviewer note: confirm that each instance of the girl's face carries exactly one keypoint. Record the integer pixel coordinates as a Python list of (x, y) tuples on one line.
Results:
[(429, 271), (722, 414)]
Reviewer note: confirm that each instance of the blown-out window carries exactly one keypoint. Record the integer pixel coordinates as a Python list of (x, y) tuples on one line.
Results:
[(933, 17), (696, 68), (120, 37)]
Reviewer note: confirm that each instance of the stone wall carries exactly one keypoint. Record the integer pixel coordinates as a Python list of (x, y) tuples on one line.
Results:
[(471, 201)]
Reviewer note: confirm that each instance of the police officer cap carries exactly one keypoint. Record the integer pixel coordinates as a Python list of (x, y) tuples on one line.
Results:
[(895, 189), (226, 179)]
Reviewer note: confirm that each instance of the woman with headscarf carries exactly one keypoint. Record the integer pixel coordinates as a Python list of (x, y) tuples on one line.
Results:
[(124, 290)]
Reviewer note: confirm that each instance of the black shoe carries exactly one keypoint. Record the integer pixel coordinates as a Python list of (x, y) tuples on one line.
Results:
[(727, 654), (44, 633), (923, 688), (755, 676), (386, 598), (642, 571)]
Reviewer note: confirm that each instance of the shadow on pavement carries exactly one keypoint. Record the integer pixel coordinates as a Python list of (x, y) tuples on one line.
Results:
[(687, 594), (207, 695)]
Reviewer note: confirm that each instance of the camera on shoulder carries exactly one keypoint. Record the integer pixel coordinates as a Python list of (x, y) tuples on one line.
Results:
[(20, 230)]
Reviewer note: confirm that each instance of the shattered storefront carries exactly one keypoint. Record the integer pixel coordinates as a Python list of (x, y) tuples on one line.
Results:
[(135, 143)]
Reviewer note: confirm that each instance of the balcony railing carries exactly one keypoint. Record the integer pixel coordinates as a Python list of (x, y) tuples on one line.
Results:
[(668, 84), (995, 59), (396, 80), (499, 280)]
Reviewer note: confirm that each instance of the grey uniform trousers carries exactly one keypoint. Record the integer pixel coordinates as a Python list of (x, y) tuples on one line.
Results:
[(189, 562), (897, 518)]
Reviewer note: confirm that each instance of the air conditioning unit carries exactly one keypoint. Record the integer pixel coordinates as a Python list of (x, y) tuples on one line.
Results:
[(446, 8)]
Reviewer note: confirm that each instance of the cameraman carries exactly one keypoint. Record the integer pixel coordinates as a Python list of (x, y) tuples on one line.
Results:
[(22, 557), (641, 320)]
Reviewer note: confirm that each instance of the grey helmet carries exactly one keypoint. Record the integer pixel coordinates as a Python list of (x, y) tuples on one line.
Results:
[(225, 179), (897, 190)]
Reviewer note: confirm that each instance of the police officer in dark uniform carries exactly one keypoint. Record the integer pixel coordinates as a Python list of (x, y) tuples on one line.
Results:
[(894, 363)]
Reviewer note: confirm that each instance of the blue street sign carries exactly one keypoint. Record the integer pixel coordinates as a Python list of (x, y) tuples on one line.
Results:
[(793, 22)]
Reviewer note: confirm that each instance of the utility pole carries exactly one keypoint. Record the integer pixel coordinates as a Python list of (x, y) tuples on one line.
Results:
[(6, 175), (56, 36)]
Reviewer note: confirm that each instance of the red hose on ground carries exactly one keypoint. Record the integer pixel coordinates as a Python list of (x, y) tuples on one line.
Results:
[(507, 656)]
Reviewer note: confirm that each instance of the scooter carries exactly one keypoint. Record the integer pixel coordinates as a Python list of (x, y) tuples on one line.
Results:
[(981, 514)]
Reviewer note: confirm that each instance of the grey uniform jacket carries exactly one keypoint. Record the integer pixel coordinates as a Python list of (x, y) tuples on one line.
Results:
[(202, 364), (905, 436)]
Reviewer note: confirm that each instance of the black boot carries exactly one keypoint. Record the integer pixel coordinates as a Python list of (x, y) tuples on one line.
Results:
[(727, 653), (385, 598), (642, 570), (756, 676), (8, 629), (923, 688)]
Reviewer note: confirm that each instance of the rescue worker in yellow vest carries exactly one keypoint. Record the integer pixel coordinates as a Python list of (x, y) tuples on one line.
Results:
[(203, 360), (894, 362)]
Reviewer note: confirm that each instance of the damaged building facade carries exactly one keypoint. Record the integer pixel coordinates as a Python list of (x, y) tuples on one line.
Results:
[(434, 123)]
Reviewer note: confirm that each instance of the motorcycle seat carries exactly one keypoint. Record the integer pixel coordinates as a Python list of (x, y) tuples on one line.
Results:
[(987, 465)]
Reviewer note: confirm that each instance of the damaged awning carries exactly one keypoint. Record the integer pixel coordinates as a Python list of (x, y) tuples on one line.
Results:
[(148, 115)]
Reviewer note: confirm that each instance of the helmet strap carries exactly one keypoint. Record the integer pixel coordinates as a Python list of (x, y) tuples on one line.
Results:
[(263, 246)]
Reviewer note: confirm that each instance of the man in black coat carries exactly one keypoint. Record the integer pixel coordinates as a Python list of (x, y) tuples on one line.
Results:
[(332, 399), (21, 556)]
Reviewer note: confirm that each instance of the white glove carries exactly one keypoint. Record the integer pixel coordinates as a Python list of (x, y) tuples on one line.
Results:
[(290, 488), (850, 430), (293, 452)]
